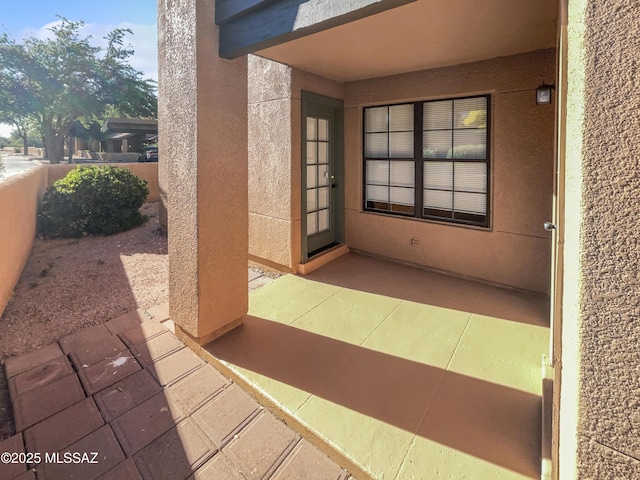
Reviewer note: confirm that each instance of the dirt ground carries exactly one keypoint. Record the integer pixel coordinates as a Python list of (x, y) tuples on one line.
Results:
[(68, 285)]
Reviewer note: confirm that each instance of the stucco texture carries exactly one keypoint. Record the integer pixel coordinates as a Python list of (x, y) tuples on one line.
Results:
[(269, 149), (176, 59), (601, 462), (19, 197), (202, 116), (515, 251), (274, 111), (606, 321)]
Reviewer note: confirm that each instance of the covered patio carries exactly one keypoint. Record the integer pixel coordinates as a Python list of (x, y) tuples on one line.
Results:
[(402, 371)]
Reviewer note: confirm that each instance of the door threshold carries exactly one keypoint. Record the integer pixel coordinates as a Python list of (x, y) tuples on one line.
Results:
[(326, 248), (322, 259)]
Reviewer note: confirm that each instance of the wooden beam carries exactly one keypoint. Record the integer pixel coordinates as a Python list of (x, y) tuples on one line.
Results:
[(267, 23)]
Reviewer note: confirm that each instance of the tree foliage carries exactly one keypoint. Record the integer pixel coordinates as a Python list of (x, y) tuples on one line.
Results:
[(51, 83)]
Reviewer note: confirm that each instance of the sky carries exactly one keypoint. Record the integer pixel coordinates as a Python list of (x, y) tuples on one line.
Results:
[(32, 18)]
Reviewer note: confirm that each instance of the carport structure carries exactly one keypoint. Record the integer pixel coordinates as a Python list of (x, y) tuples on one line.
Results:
[(126, 135)]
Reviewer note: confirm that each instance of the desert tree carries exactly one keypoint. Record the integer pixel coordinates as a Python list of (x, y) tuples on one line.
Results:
[(53, 82)]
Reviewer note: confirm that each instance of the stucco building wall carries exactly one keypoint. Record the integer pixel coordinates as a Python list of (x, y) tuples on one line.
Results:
[(515, 251), (270, 162), (600, 405), (274, 114), (202, 120)]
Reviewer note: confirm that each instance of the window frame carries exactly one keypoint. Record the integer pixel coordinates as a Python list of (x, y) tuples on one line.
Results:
[(419, 160)]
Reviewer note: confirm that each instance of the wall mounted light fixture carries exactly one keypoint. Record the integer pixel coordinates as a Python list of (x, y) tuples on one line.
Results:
[(543, 94)]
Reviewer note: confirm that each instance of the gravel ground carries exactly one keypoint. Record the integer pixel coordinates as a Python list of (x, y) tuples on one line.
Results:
[(68, 285), (71, 284)]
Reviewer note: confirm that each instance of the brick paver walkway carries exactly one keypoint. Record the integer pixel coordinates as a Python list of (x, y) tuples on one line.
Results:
[(127, 400)]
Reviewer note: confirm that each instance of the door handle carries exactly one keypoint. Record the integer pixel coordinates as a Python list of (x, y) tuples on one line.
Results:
[(334, 185), (549, 226)]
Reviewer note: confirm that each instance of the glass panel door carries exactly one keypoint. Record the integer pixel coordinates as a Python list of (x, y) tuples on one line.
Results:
[(318, 175), (322, 193)]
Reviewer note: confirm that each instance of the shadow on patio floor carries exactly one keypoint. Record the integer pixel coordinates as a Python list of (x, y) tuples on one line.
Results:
[(371, 275), (402, 371)]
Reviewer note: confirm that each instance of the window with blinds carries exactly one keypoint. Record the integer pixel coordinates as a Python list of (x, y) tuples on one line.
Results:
[(428, 159), (389, 152)]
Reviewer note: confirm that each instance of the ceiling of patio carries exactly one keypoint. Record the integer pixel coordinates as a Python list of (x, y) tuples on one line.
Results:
[(422, 35)]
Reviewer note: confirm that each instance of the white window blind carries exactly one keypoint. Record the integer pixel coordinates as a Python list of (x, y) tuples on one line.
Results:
[(444, 142), (470, 177), (389, 135), (455, 168), (389, 132)]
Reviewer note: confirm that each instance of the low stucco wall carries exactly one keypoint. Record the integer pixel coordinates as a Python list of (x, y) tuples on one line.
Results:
[(118, 157), (516, 250), (19, 197), (146, 171)]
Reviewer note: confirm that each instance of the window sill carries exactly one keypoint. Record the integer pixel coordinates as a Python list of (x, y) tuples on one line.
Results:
[(488, 229)]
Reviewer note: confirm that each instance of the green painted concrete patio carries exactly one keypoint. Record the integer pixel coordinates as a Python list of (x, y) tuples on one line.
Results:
[(406, 373)]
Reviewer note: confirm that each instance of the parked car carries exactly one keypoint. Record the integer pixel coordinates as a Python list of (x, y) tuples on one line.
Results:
[(149, 154)]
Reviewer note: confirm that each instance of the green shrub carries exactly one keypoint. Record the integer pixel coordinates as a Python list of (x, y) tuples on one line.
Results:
[(96, 200)]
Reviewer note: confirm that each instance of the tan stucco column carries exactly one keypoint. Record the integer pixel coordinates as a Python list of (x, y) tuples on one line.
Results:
[(202, 114), (599, 427)]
